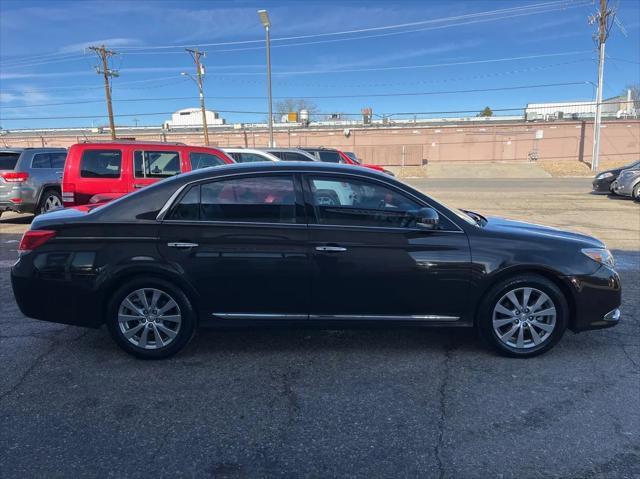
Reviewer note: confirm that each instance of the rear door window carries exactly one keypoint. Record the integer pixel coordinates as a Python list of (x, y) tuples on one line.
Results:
[(41, 160), (156, 164), (264, 199), (101, 164), (204, 160), (9, 160)]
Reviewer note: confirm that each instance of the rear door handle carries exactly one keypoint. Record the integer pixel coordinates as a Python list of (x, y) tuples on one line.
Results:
[(182, 245), (331, 249)]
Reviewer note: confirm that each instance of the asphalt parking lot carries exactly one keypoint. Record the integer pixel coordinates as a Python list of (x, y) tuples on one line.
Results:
[(357, 403)]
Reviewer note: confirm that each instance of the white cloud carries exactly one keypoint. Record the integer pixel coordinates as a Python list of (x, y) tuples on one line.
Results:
[(109, 42)]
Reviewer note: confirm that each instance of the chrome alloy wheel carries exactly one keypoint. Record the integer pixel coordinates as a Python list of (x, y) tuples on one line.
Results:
[(51, 203), (149, 318), (524, 318)]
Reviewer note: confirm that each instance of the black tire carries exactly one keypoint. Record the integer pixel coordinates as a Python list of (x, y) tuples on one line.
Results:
[(636, 192), (185, 332), (49, 195), (484, 319)]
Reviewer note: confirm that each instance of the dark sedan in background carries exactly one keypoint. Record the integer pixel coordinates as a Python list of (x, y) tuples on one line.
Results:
[(603, 182), (311, 244)]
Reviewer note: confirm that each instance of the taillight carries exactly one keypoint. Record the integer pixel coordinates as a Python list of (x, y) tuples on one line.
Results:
[(33, 239), (68, 194), (14, 176)]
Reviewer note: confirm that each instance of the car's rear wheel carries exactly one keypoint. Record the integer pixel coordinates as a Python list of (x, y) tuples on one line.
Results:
[(523, 316), (150, 318), (51, 200)]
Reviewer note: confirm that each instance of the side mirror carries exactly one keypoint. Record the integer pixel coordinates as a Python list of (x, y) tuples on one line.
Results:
[(427, 219)]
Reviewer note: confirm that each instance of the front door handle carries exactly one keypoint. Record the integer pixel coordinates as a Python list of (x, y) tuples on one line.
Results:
[(139, 186), (331, 249), (182, 245)]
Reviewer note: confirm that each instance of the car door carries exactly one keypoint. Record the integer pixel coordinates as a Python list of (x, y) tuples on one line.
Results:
[(371, 262), (242, 241)]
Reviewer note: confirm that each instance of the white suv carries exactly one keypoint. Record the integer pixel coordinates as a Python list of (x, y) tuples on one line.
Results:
[(248, 155)]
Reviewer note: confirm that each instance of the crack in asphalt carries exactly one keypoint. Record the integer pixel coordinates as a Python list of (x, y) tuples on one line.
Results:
[(442, 390)]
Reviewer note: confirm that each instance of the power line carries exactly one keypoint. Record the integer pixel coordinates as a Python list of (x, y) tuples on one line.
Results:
[(386, 114), (360, 95), (511, 10)]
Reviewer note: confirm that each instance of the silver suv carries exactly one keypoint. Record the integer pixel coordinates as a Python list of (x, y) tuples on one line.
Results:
[(30, 179)]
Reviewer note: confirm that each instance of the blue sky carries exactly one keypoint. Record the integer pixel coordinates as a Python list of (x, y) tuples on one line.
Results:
[(42, 58)]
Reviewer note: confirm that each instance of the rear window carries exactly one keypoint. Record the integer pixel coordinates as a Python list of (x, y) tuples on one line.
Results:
[(101, 164), (8, 160), (204, 160)]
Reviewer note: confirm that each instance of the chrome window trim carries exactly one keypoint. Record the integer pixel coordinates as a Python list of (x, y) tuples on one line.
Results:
[(169, 203), (341, 317), (389, 228)]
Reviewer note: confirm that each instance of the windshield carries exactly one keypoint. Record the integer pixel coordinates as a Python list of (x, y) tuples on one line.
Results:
[(633, 166), (466, 216), (8, 160)]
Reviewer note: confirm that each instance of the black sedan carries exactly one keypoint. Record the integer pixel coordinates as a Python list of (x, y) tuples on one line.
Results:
[(313, 244), (603, 181)]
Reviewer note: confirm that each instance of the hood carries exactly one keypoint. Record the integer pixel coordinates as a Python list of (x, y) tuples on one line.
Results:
[(520, 228)]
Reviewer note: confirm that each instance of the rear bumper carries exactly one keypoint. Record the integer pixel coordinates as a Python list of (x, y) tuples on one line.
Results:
[(65, 300), (596, 300), (17, 207)]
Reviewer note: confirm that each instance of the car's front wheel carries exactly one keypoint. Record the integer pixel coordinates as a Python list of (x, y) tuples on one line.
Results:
[(636, 192), (523, 316), (150, 318)]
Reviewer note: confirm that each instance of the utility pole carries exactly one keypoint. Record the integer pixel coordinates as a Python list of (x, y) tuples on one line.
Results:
[(266, 23), (602, 17), (108, 73), (196, 54)]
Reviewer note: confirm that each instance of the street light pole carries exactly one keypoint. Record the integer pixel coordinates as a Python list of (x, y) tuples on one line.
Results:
[(266, 23)]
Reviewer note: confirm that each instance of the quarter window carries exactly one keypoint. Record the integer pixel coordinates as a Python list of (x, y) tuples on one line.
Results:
[(360, 203), (156, 164), (254, 199), (41, 160), (101, 164), (57, 159), (204, 160)]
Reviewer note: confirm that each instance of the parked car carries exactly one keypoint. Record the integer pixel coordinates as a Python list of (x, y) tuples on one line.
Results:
[(628, 184), (291, 154), (98, 172), (331, 155), (258, 243), (30, 179), (249, 155), (603, 182)]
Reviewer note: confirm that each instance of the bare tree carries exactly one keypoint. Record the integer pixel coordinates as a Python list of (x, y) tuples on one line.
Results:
[(295, 104)]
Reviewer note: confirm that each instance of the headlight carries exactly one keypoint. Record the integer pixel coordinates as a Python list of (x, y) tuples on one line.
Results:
[(600, 255), (604, 175)]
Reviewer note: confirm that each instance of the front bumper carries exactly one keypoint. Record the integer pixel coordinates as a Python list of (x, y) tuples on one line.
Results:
[(602, 186), (596, 300)]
